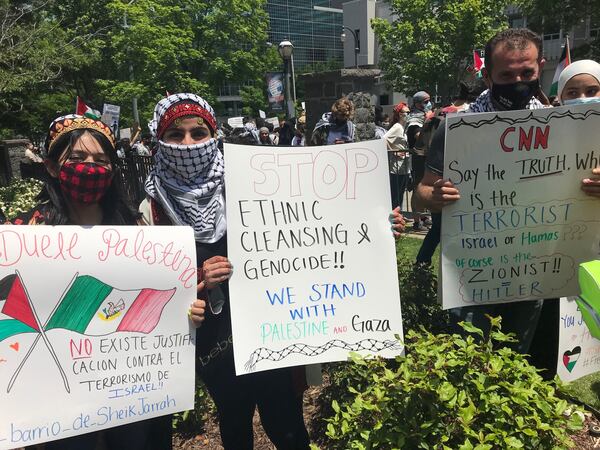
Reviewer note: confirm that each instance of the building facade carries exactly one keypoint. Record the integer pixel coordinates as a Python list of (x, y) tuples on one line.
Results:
[(313, 26)]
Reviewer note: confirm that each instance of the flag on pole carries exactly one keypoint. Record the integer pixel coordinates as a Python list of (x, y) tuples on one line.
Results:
[(16, 314), (563, 62), (84, 110), (94, 308), (478, 61)]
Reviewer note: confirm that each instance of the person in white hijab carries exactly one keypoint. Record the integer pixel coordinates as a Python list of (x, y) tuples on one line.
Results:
[(579, 83)]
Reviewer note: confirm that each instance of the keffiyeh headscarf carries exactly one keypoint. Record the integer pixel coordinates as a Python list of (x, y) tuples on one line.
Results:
[(187, 180), (484, 103)]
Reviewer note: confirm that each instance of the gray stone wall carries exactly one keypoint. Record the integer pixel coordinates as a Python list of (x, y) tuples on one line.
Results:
[(324, 88), (12, 152)]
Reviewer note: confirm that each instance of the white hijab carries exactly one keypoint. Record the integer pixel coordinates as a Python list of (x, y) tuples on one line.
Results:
[(577, 68)]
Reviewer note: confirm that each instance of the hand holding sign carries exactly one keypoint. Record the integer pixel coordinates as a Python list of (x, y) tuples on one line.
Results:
[(444, 193), (591, 185)]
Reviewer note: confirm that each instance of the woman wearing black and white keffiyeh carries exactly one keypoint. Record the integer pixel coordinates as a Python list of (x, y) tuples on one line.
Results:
[(186, 187)]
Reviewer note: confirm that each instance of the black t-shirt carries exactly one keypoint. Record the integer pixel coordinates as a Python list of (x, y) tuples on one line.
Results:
[(435, 155), (411, 137)]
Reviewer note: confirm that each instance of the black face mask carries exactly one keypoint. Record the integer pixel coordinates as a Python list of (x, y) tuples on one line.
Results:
[(513, 96)]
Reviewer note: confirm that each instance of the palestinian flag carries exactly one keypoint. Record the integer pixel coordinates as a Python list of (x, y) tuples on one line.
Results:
[(84, 110), (16, 314), (94, 308), (478, 61), (563, 62)]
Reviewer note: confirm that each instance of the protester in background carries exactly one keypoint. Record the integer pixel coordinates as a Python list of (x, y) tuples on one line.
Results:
[(398, 157), (421, 109), (513, 64), (286, 132), (299, 137), (380, 130), (335, 127), (579, 84), (83, 189), (468, 92), (125, 146), (263, 137), (186, 187), (385, 123), (142, 148), (32, 154)]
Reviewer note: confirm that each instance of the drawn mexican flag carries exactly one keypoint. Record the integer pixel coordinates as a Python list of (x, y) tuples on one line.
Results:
[(16, 313), (94, 308)]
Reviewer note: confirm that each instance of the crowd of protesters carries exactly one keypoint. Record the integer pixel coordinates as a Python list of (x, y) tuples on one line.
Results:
[(186, 187)]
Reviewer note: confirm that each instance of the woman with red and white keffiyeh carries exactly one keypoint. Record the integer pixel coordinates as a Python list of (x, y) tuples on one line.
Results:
[(186, 187)]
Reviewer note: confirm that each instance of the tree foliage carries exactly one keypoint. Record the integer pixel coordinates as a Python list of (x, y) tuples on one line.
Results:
[(114, 50), (548, 16), (431, 42)]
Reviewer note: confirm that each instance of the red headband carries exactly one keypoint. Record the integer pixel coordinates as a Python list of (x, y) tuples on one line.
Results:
[(185, 109), (400, 106)]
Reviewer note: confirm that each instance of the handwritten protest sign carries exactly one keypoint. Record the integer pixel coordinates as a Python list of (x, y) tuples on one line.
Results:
[(523, 224), (314, 258), (93, 320), (578, 350)]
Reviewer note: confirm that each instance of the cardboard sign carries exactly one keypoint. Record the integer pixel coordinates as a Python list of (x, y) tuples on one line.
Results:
[(110, 116), (273, 121), (314, 259), (578, 350), (236, 122), (94, 331), (522, 224)]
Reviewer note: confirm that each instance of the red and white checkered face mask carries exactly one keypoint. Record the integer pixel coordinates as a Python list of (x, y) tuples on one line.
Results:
[(84, 182)]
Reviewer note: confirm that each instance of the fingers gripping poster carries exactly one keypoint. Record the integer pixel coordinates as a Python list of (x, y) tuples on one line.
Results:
[(313, 255), (522, 224), (94, 330)]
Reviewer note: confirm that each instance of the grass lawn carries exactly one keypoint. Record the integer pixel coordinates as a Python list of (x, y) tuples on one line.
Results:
[(408, 247), (586, 390)]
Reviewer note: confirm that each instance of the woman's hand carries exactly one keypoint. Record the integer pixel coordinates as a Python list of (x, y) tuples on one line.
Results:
[(397, 221), (215, 270), (591, 186), (197, 310)]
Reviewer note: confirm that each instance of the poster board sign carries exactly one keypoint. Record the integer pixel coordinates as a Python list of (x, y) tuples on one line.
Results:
[(314, 259), (236, 122), (94, 331), (273, 121), (522, 224), (275, 91), (578, 350), (262, 114), (110, 116), (125, 133)]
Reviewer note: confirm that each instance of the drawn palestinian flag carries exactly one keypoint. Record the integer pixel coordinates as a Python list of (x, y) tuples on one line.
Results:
[(94, 308), (16, 314)]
